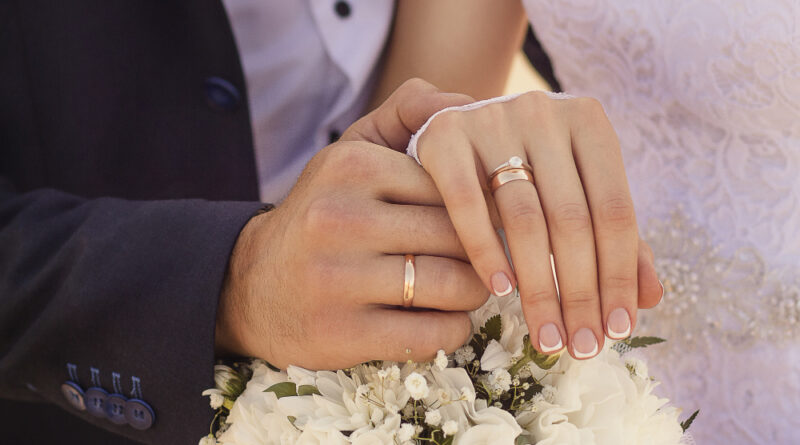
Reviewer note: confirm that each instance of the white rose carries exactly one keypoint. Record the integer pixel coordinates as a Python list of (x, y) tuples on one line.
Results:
[(597, 401), (417, 386)]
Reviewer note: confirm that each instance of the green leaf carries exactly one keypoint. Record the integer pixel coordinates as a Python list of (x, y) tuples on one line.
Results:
[(292, 419), (448, 440), (493, 328), (523, 439), (284, 389), (641, 342), (307, 390), (544, 361), (688, 422)]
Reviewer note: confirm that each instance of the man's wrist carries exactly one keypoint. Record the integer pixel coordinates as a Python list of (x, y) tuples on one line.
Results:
[(229, 340)]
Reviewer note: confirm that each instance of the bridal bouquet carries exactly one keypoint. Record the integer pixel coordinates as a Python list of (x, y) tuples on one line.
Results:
[(496, 390)]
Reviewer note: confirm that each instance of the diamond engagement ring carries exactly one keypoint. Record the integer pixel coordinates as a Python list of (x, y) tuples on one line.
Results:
[(513, 170)]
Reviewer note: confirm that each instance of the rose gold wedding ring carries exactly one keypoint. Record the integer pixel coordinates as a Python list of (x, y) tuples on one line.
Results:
[(513, 170), (513, 162), (408, 283)]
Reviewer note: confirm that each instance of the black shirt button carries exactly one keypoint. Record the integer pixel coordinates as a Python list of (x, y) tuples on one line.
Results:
[(342, 9), (333, 136), (221, 94)]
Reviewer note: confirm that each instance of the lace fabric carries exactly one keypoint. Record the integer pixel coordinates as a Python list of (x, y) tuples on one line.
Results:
[(705, 97)]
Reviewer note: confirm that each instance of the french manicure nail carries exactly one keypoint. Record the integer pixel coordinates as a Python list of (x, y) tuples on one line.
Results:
[(501, 285), (549, 338), (584, 343), (619, 324)]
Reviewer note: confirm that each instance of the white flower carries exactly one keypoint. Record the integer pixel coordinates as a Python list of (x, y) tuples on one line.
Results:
[(464, 355), (394, 373), (406, 432), (228, 380), (216, 399), (599, 395), (495, 356), (490, 426), (208, 440), (549, 393), (450, 428), (441, 360), (417, 386), (433, 417), (637, 367), (499, 380), (467, 393)]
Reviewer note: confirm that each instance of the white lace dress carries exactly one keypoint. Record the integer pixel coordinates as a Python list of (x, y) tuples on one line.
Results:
[(705, 96)]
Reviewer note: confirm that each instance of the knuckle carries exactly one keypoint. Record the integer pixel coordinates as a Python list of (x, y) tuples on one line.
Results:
[(572, 217), (524, 216), (326, 215), (446, 122), (348, 158), (620, 285), (535, 100), (480, 252), (459, 192), (580, 301), (617, 212), (537, 297), (416, 84), (589, 106)]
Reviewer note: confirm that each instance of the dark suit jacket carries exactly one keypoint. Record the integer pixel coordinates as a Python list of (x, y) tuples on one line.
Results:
[(125, 178)]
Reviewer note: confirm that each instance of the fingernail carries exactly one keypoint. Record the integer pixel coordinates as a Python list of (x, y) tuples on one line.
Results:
[(619, 324), (501, 285), (549, 338), (662, 291), (584, 343)]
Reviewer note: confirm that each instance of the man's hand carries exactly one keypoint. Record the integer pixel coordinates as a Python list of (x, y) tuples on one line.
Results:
[(318, 282)]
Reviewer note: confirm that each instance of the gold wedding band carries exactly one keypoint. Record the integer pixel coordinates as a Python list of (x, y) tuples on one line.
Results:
[(509, 174), (512, 170), (408, 283)]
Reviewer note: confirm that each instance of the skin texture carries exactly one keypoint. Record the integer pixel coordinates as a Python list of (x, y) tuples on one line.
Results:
[(318, 281), (464, 46), (579, 209)]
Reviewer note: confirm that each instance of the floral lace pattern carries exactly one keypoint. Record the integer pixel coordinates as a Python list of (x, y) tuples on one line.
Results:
[(705, 97)]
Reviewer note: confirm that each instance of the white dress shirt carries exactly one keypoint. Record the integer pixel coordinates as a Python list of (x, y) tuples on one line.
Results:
[(309, 66)]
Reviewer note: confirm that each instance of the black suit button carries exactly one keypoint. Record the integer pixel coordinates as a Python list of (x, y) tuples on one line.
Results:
[(221, 94), (74, 395), (115, 409), (95, 399), (342, 8), (139, 414)]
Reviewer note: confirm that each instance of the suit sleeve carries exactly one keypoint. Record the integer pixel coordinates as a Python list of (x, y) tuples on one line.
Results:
[(118, 295)]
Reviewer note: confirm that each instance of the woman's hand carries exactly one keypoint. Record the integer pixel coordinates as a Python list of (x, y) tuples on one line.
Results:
[(578, 207)]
